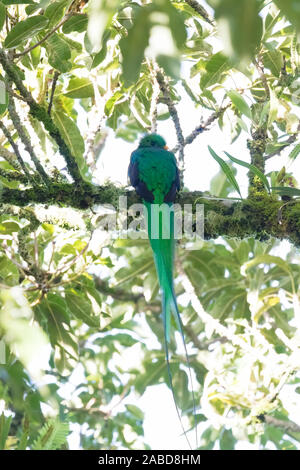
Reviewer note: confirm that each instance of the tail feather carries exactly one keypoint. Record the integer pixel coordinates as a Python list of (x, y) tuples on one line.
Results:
[(163, 250)]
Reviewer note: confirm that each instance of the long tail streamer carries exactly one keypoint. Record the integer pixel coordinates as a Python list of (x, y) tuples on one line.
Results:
[(160, 225)]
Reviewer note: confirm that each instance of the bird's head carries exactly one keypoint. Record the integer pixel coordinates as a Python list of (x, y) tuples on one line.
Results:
[(153, 140)]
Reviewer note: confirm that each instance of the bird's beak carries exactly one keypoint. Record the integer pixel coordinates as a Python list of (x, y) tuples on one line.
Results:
[(166, 147)]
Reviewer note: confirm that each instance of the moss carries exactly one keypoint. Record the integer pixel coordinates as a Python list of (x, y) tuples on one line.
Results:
[(260, 216)]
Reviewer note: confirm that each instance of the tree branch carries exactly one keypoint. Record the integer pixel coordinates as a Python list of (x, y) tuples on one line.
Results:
[(254, 217), (164, 87), (287, 426), (40, 113), (16, 150), (24, 137), (202, 127), (199, 9)]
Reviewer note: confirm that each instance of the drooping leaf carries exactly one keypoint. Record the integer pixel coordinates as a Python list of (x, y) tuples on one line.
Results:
[(226, 168), (253, 168)]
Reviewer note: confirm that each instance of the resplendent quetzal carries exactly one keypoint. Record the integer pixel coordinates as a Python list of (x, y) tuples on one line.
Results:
[(154, 174)]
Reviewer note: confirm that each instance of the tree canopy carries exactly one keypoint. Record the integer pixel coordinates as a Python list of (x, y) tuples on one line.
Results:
[(78, 298)]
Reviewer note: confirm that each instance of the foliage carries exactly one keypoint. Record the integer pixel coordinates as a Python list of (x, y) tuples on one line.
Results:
[(77, 301)]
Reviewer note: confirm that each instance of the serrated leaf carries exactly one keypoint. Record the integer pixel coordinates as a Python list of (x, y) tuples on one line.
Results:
[(253, 168), (24, 30), (240, 103), (226, 168)]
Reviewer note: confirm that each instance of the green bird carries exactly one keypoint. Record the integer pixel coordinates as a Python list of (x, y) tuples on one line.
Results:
[(154, 174)]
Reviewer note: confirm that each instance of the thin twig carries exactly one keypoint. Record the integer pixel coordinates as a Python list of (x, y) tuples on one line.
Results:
[(154, 99), (16, 150), (24, 137), (55, 78), (261, 70), (10, 157), (291, 140), (164, 87), (40, 113), (199, 9), (202, 127)]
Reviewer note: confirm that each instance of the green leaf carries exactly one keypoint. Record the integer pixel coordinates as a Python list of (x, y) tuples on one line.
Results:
[(227, 440), (176, 22), (267, 259), (137, 412), (171, 65), (227, 170), (100, 56), (77, 22), (52, 436), (23, 335), (79, 88), (81, 308), (215, 67), (219, 185), (253, 168), (240, 26), (18, 2), (3, 96), (240, 103), (24, 30), (286, 191), (290, 8), (58, 53), (272, 59), (5, 422), (295, 152), (73, 139), (2, 15), (134, 45), (55, 11)]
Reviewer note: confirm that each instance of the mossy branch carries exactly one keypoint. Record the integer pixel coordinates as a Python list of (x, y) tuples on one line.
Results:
[(261, 216), (24, 136), (41, 114)]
